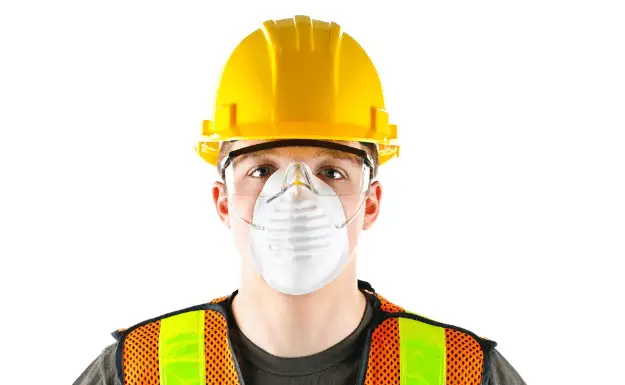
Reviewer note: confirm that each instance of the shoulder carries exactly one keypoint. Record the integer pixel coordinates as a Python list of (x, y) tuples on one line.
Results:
[(149, 329), (464, 349), (454, 335), (466, 355), (139, 347), (502, 372), (102, 370)]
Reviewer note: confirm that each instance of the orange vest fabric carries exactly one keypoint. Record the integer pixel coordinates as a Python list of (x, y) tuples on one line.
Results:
[(464, 358)]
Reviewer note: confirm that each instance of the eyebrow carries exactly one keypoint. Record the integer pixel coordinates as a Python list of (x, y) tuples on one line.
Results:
[(330, 153), (319, 153), (255, 154)]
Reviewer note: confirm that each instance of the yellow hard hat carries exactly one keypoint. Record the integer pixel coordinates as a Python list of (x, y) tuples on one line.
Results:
[(299, 79)]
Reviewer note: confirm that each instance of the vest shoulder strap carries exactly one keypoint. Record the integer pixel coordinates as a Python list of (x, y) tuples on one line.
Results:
[(174, 348), (409, 346)]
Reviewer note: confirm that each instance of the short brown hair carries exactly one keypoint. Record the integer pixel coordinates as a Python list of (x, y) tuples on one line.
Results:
[(371, 149)]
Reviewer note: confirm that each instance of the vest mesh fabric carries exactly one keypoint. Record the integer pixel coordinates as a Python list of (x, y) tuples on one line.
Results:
[(383, 361), (464, 358), (140, 355), (220, 368), (464, 355)]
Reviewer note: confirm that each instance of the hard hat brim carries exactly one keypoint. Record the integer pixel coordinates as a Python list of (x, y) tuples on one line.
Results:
[(209, 145)]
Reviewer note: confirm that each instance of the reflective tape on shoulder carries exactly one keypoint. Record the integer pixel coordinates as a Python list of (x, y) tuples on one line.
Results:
[(422, 353), (181, 349)]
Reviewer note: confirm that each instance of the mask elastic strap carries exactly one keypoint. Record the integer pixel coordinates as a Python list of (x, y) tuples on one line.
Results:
[(353, 216), (233, 210)]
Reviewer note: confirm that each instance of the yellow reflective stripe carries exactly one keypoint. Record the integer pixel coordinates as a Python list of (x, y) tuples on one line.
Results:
[(181, 349), (422, 353)]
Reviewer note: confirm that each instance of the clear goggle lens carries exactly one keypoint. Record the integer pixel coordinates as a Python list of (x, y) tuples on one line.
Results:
[(344, 173)]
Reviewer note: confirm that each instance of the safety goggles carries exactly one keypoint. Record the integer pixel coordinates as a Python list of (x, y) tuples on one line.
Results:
[(344, 169)]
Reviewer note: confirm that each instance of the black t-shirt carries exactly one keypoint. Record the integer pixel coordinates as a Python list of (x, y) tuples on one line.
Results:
[(337, 365)]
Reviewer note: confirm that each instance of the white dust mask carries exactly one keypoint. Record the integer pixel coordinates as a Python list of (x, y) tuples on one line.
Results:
[(297, 244)]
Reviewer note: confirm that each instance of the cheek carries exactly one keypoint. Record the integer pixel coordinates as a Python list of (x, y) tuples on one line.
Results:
[(353, 232), (243, 207), (241, 237), (350, 206)]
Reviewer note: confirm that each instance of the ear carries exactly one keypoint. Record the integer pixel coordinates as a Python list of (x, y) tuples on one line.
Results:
[(220, 198), (372, 205)]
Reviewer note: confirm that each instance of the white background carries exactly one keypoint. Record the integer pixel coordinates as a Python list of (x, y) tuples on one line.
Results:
[(504, 214)]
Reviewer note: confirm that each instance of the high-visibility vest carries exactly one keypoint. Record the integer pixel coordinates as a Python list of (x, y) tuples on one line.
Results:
[(192, 346)]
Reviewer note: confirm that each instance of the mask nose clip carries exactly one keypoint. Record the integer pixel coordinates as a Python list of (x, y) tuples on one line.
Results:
[(297, 174)]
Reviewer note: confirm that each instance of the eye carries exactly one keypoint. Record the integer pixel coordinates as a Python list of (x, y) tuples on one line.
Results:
[(331, 173), (261, 171)]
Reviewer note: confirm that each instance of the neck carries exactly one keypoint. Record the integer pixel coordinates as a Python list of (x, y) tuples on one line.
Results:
[(296, 326)]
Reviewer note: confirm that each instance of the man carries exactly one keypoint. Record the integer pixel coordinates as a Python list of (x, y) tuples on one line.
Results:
[(299, 132)]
